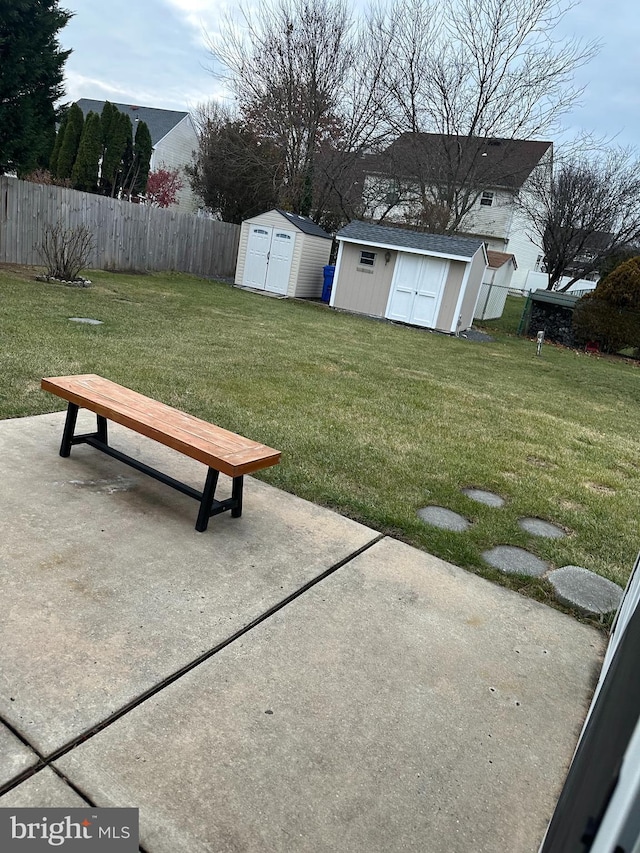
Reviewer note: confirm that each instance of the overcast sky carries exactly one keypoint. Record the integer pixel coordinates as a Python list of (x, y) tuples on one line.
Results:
[(153, 53)]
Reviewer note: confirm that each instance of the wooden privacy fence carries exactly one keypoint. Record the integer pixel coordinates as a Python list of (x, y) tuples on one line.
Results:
[(126, 236)]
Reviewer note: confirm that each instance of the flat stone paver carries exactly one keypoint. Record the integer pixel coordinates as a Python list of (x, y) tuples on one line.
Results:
[(402, 704), (108, 590), (439, 516), (539, 527), (484, 497), (14, 755), (515, 561), (43, 790), (89, 320), (577, 587)]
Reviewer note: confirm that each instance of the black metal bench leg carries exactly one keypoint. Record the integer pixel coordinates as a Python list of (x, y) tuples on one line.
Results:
[(236, 495), (102, 430), (207, 500), (69, 429)]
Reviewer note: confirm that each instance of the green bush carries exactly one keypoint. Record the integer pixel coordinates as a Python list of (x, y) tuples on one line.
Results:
[(610, 315)]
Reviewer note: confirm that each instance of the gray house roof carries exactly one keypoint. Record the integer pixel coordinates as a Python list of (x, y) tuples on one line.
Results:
[(159, 122), (463, 247), (306, 225)]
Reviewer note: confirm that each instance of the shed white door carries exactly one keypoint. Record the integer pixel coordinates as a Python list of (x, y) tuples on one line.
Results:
[(280, 258), (268, 260), (416, 291)]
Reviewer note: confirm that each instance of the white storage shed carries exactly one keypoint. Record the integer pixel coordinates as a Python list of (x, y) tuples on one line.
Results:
[(495, 285), (283, 253), (427, 280)]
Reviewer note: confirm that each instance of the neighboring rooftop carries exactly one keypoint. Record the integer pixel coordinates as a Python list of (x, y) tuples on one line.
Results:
[(464, 247), (159, 122), (480, 160)]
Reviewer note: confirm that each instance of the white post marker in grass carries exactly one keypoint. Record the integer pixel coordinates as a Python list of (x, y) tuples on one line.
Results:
[(539, 342)]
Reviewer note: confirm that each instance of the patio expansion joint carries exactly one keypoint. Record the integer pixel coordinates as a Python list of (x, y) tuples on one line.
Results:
[(47, 761)]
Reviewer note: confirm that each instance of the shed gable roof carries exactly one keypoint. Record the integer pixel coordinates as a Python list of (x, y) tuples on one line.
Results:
[(304, 224), (498, 259), (464, 247), (159, 122)]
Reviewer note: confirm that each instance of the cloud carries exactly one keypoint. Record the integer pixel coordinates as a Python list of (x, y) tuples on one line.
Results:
[(201, 16)]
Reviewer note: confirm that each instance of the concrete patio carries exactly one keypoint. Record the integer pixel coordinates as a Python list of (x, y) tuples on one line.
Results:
[(287, 681)]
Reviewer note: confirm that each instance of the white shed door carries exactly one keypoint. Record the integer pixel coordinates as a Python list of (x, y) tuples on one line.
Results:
[(268, 260), (257, 258), (417, 288), (280, 258)]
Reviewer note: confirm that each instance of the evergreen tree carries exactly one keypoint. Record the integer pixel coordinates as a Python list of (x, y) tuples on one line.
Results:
[(31, 69), (70, 142), (84, 175), (112, 146), (125, 166), (143, 149), (53, 161)]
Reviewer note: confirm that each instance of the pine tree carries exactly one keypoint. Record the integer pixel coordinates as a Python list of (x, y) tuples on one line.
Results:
[(31, 69), (70, 142), (113, 142), (53, 161), (143, 149), (123, 174), (84, 175)]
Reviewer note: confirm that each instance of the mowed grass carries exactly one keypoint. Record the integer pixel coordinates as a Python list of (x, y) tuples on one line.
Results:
[(373, 419)]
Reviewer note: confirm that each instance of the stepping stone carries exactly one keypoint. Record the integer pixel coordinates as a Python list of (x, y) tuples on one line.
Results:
[(86, 320), (482, 497), (514, 561), (577, 587), (438, 516), (538, 527)]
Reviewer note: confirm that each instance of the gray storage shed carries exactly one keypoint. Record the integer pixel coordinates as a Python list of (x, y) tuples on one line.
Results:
[(421, 279), (283, 253)]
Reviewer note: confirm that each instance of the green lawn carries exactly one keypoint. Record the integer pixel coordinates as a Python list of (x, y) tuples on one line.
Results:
[(374, 420)]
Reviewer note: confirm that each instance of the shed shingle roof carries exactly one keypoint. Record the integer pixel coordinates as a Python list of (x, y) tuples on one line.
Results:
[(304, 224), (159, 122), (463, 247)]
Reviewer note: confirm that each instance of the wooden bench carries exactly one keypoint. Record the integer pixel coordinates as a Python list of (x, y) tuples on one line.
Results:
[(220, 450)]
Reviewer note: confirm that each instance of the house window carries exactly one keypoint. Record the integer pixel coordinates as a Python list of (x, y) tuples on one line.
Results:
[(486, 199), (367, 259), (540, 264)]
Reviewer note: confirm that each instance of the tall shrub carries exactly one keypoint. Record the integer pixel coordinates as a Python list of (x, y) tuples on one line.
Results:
[(142, 158), (84, 175), (70, 142), (610, 314)]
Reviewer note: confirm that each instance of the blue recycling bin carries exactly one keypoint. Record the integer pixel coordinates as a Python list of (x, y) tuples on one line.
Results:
[(329, 271)]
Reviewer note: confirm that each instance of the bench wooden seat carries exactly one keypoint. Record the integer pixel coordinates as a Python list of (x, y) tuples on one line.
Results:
[(220, 450)]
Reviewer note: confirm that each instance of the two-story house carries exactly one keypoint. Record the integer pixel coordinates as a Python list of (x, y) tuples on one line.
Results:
[(465, 185), (173, 137)]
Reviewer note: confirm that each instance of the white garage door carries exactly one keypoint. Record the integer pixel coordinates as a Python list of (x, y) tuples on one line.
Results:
[(416, 290), (268, 260)]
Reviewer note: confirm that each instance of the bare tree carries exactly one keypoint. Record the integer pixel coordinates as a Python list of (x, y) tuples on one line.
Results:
[(285, 65), (463, 73), (587, 211), (311, 82), (235, 173)]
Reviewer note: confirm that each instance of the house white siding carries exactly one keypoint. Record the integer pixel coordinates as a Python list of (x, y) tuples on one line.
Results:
[(490, 220), (525, 245), (175, 151)]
